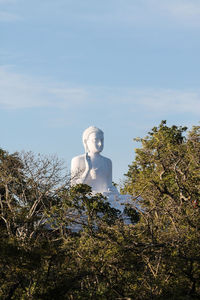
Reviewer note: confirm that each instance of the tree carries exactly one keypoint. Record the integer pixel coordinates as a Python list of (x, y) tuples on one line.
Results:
[(29, 186), (40, 242), (166, 173), (63, 242)]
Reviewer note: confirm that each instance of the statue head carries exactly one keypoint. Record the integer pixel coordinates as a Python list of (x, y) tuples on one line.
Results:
[(93, 138)]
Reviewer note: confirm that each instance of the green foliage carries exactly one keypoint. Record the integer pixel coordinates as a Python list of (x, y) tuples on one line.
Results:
[(63, 242), (166, 173)]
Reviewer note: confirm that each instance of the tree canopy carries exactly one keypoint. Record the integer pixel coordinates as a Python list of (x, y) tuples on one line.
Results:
[(63, 242)]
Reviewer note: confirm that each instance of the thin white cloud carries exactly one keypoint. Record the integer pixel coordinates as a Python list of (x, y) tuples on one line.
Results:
[(132, 13), (8, 11), (155, 101), (109, 13), (184, 11), (7, 1), (74, 95), (182, 8), (8, 17), (170, 101), (18, 91)]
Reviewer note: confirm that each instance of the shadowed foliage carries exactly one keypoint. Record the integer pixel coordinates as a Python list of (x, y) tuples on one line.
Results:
[(63, 242)]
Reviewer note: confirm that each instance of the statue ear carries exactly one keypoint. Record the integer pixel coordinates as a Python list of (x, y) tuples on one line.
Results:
[(85, 145)]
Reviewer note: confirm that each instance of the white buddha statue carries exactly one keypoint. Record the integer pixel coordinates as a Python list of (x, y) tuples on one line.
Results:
[(91, 167)]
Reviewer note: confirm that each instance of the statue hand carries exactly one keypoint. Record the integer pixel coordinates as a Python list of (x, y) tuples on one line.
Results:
[(88, 164)]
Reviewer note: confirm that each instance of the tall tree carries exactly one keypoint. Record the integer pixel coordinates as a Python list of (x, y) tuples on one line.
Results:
[(166, 173)]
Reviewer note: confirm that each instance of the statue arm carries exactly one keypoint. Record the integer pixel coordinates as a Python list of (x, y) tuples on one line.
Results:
[(80, 168), (111, 187)]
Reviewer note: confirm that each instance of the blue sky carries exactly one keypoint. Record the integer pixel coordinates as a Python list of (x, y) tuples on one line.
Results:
[(121, 65)]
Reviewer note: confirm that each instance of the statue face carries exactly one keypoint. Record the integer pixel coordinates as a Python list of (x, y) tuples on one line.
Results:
[(95, 142)]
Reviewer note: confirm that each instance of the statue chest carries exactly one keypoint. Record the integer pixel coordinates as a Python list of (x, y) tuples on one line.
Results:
[(99, 169)]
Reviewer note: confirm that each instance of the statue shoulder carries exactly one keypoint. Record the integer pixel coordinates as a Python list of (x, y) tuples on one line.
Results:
[(107, 160), (78, 161), (78, 157)]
